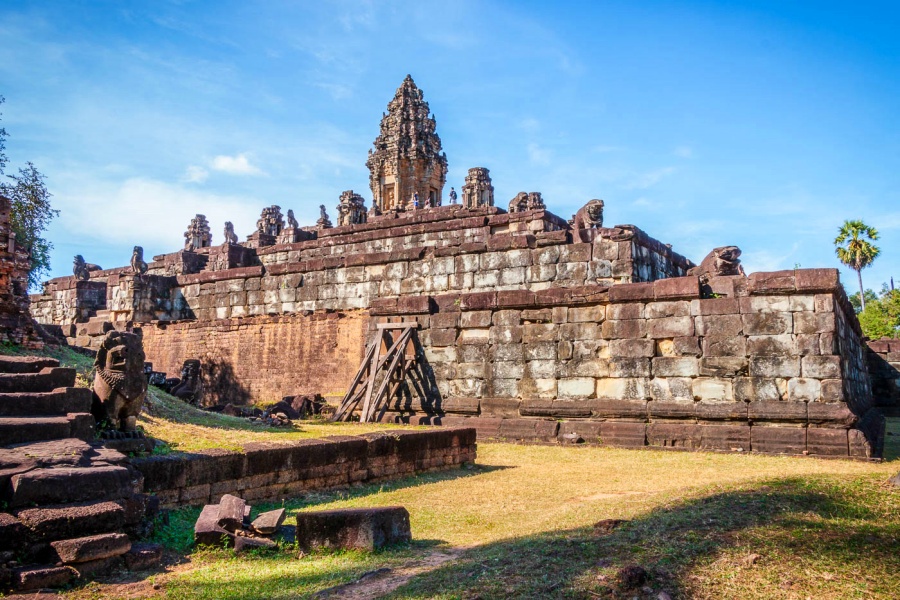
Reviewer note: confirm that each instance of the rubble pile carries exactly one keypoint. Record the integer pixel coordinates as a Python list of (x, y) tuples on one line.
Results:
[(228, 523)]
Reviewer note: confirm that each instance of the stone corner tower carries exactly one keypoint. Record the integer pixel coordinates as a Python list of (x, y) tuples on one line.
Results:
[(407, 157)]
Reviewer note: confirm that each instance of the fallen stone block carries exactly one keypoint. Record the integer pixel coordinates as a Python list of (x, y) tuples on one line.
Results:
[(242, 543), (268, 522), (231, 513), (359, 528), (207, 531), (93, 547)]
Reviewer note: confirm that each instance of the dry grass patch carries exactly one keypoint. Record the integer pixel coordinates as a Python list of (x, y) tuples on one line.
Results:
[(692, 521), (186, 428)]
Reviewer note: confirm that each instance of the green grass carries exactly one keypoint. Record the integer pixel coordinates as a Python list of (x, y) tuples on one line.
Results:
[(524, 517)]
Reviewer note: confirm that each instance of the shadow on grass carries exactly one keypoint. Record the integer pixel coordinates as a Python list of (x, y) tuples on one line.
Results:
[(175, 530), (312, 499), (818, 523)]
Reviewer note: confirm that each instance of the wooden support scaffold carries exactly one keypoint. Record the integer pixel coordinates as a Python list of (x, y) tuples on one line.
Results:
[(388, 360)]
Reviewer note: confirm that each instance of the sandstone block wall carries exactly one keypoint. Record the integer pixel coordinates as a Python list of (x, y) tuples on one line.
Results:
[(263, 358), (446, 249), (273, 472), (775, 364), (883, 358)]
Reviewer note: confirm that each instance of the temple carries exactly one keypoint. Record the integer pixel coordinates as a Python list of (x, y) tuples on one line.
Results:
[(407, 165), (530, 326)]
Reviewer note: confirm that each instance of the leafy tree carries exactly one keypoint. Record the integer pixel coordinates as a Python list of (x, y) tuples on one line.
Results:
[(854, 250), (31, 212), (881, 316), (857, 304)]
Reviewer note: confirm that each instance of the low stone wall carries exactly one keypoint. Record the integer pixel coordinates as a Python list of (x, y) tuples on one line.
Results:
[(275, 472), (263, 358), (773, 364), (883, 359)]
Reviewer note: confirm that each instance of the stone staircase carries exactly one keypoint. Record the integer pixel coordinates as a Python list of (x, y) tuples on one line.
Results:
[(90, 334), (67, 504)]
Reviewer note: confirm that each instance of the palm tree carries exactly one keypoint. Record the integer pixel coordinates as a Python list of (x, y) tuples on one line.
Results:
[(854, 250)]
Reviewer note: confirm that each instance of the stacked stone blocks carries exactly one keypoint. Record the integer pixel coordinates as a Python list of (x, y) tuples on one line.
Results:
[(776, 367), (277, 471)]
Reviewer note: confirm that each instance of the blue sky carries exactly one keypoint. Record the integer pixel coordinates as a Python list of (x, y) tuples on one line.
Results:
[(758, 124)]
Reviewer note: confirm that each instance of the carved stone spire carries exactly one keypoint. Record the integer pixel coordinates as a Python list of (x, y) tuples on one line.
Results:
[(478, 190), (407, 160)]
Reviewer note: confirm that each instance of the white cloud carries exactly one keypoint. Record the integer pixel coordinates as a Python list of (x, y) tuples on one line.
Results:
[(152, 213), (768, 260), (235, 165), (538, 155), (683, 152), (336, 90), (195, 174), (649, 179), (530, 124)]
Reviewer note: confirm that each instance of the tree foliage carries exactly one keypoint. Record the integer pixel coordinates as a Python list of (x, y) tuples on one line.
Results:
[(881, 316), (853, 248), (31, 211)]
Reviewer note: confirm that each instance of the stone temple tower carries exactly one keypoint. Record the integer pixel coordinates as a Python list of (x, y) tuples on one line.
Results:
[(478, 190), (407, 157)]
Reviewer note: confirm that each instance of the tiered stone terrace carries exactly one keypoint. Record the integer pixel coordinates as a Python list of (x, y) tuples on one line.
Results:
[(531, 333)]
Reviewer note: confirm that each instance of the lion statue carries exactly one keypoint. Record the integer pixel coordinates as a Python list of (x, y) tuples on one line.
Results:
[(230, 236), (292, 220), (119, 383), (526, 201), (589, 216), (190, 385), (724, 260), (138, 265), (82, 270)]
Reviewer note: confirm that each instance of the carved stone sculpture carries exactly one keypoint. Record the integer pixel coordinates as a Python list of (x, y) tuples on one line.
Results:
[(324, 222), (198, 234), (82, 270), (478, 189), (291, 221), (138, 265), (270, 222), (189, 386), (526, 201), (724, 260), (589, 216), (351, 209), (119, 383), (230, 236)]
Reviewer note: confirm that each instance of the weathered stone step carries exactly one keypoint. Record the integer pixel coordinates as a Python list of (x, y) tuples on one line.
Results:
[(35, 578), (64, 485), (26, 364), (60, 401), (72, 520), (47, 380), (93, 547), (21, 430)]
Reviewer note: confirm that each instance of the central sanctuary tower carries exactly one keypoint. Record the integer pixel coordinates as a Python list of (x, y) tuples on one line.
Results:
[(407, 157)]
